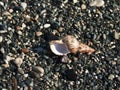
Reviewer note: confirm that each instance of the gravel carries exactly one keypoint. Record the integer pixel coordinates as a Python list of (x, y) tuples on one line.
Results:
[(27, 26)]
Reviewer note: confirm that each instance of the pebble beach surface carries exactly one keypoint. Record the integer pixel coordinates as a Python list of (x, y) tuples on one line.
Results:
[(27, 27)]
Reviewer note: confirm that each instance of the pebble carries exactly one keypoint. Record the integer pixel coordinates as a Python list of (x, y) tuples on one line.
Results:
[(39, 34), (116, 35), (71, 75), (23, 25), (65, 59), (97, 3), (1, 71), (6, 13), (38, 70), (83, 6), (24, 5), (2, 28), (28, 18), (20, 70), (19, 28), (111, 77), (1, 39), (75, 1), (18, 61), (19, 32), (25, 50), (1, 3), (47, 25)]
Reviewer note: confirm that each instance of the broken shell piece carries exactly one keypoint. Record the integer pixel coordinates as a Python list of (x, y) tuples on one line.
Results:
[(58, 47), (72, 43)]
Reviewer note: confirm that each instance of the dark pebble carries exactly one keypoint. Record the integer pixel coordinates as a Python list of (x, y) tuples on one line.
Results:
[(71, 75)]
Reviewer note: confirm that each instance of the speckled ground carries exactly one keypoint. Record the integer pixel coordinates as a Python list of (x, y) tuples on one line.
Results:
[(26, 61)]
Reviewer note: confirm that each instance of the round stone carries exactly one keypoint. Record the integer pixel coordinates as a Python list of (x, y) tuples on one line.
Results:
[(83, 6)]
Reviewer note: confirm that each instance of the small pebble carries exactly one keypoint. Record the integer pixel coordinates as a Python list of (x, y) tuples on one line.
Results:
[(19, 28), (28, 18), (71, 75), (19, 32), (6, 13), (116, 35), (25, 50), (47, 25), (39, 34), (97, 3), (1, 39), (23, 25), (20, 70), (111, 77), (1, 3), (1, 71), (24, 5), (65, 59), (83, 6), (18, 61), (38, 70), (8, 58), (75, 1)]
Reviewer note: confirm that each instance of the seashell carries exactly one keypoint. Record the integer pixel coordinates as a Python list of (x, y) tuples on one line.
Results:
[(58, 47), (72, 43), (69, 44), (85, 49)]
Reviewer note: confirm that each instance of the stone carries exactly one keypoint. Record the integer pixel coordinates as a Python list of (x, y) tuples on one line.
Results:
[(83, 6), (25, 50), (24, 5), (75, 1), (38, 70), (47, 25), (116, 35), (111, 77), (1, 39), (38, 33), (18, 61), (97, 3)]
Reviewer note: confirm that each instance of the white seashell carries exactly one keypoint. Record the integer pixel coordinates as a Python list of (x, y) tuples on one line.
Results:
[(69, 44), (58, 47)]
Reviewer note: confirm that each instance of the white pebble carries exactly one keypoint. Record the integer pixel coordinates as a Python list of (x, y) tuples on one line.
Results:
[(1, 39), (75, 1), (18, 61), (1, 3), (97, 3), (19, 32), (116, 35), (83, 6), (24, 5), (47, 25), (111, 77), (23, 25)]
